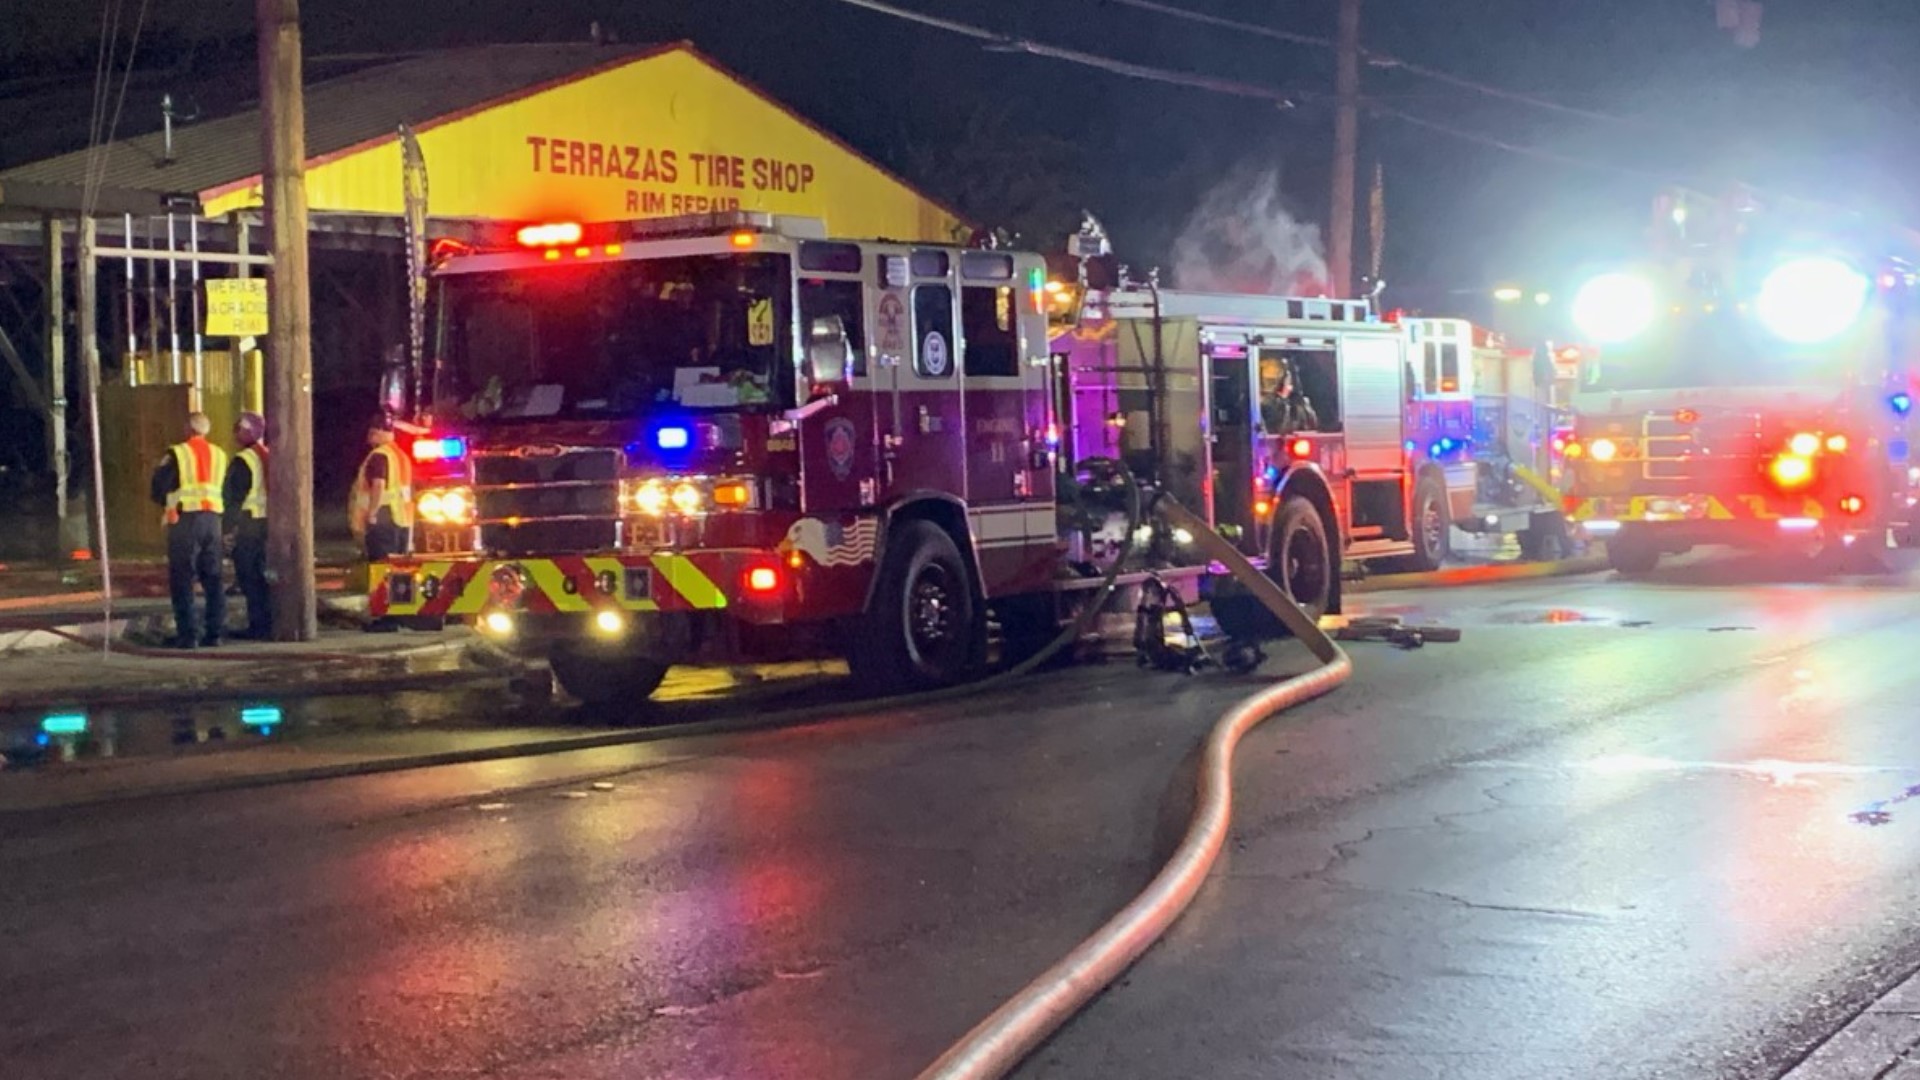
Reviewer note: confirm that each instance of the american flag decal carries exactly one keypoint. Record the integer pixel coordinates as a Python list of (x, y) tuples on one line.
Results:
[(833, 542)]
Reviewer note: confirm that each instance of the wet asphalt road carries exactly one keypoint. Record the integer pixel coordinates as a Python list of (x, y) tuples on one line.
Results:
[(1621, 830)]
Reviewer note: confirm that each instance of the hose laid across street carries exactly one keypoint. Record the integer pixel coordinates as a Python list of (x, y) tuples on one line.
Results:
[(1001, 1041)]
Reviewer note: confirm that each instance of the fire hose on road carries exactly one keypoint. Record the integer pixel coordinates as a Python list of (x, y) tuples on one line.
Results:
[(1016, 1028)]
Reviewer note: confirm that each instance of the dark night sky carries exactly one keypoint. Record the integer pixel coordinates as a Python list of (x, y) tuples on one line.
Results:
[(1823, 107)]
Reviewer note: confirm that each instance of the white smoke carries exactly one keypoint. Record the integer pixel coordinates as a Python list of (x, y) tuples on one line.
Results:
[(1242, 239)]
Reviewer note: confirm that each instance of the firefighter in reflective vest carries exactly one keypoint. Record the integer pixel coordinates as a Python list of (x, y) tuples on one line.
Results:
[(187, 483), (245, 493), (382, 511)]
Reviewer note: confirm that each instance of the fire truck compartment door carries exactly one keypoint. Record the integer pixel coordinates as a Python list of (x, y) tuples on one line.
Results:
[(1372, 370)]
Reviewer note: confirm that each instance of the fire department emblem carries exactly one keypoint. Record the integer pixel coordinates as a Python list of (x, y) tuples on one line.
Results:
[(833, 542), (840, 447), (934, 360)]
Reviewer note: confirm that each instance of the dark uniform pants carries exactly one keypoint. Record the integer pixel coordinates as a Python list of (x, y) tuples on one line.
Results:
[(193, 553), (384, 538), (250, 570)]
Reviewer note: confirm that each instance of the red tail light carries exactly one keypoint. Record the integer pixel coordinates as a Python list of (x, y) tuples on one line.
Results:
[(762, 580), (550, 234)]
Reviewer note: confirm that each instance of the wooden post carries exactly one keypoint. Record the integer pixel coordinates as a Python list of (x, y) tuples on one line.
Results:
[(55, 337), (1346, 148), (283, 138)]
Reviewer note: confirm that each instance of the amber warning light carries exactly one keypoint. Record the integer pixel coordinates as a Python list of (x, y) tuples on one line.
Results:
[(550, 234)]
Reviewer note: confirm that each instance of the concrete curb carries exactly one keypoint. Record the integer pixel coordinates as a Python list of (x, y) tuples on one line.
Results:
[(277, 677), (403, 762), (140, 625), (1875, 1042), (1485, 574)]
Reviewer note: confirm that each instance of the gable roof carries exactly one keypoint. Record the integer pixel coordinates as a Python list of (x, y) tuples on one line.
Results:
[(341, 113)]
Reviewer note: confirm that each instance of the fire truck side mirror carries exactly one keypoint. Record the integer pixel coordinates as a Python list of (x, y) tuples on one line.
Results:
[(829, 353)]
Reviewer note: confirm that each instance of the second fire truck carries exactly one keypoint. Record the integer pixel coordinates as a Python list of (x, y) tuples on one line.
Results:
[(1752, 385)]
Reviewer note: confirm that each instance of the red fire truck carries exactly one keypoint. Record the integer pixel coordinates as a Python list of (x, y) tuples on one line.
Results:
[(733, 438), (1750, 385)]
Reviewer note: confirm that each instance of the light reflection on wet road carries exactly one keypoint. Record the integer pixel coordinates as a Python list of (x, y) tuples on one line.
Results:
[(1599, 837)]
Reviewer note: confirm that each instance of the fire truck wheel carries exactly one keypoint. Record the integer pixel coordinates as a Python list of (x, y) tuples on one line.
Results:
[(1629, 556), (1545, 540), (604, 678), (1302, 560), (921, 630), (1430, 524)]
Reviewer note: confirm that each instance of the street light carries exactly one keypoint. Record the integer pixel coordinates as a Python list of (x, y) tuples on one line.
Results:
[(1542, 298), (1507, 294)]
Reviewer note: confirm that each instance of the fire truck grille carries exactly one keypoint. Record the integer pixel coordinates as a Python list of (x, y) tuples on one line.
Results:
[(1710, 448), (547, 537), (556, 501), (592, 465)]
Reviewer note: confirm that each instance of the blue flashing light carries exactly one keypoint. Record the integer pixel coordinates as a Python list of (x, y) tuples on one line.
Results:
[(673, 437), (64, 724), (261, 716), (42, 739), (1435, 450), (1412, 446), (266, 730), (1902, 403)]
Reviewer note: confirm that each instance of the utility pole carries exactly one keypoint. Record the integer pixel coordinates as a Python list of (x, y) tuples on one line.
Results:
[(283, 140), (1346, 148), (55, 337)]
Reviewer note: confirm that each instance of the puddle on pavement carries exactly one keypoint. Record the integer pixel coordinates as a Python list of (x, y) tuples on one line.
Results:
[(1548, 616), (49, 736)]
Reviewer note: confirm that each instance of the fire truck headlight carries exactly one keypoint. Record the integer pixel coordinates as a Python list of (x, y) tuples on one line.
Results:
[(1790, 471), (687, 498), (1614, 307), (1805, 444), (1602, 450), (649, 498), (1807, 301), (609, 623), (446, 506)]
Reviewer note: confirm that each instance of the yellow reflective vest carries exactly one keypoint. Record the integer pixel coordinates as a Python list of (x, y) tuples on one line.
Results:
[(203, 468)]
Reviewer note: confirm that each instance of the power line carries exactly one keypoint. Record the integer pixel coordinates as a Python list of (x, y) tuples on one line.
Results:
[(1375, 59), (1000, 42)]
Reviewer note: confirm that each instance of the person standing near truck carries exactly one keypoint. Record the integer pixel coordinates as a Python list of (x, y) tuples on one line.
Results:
[(187, 484), (245, 494), (382, 510)]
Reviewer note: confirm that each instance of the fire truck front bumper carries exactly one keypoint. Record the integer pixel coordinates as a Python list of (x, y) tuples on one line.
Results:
[(1675, 522), (664, 604)]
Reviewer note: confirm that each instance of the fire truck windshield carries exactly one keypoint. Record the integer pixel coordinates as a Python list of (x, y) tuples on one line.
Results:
[(613, 338), (1710, 350)]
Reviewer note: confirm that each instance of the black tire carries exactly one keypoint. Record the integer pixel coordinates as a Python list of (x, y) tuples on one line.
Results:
[(1301, 559), (1429, 524), (921, 630), (1545, 540), (1629, 556), (603, 678)]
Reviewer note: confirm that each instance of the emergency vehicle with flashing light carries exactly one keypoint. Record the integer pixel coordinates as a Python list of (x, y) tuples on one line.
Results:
[(1752, 384), (731, 438)]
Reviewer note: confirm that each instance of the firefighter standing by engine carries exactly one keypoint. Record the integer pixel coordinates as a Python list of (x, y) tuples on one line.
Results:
[(245, 493), (187, 483), (382, 508)]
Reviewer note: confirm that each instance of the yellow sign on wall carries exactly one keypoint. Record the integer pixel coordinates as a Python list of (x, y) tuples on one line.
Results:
[(236, 307), (662, 134)]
